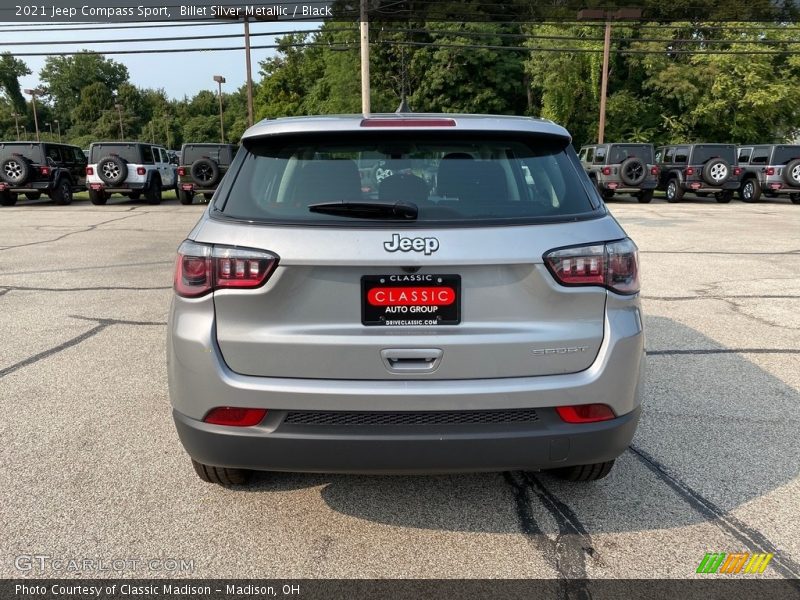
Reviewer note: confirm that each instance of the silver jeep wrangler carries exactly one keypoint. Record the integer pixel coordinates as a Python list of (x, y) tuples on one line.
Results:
[(771, 169), (621, 168)]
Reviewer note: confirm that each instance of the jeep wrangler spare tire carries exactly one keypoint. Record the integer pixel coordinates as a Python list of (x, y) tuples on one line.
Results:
[(791, 172), (113, 170), (205, 172), (716, 172), (632, 171), (15, 170)]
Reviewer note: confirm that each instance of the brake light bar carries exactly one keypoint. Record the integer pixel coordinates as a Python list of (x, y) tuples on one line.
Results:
[(203, 268), (613, 265), (402, 122)]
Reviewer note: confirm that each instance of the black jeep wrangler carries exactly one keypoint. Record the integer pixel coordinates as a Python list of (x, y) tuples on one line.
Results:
[(201, 168), (36, 168), (702, 169)]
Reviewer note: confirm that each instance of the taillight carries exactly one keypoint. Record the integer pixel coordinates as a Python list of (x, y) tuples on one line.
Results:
[(653, 170), (737, 171), (614, 265), (201, 268), (768, 171), (90, 170), (44, 171), (606, 170), (689, 170), (585, 413), (141, 170), (235, 417), (182, 171)]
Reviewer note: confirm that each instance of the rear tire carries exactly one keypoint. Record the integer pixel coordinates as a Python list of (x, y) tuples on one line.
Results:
[(7, 199), (185, 197), (591, 472), (795, 198), (724, 197), (608, 194), (62, 193), (645, 196), (221, 475), (674, 191), (750, 191), (153, 192), (97, 197)]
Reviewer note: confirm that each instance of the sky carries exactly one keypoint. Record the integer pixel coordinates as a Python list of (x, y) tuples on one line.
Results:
[(180, 74)]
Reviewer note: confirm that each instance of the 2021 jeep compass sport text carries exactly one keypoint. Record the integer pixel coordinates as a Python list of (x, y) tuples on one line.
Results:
[(477, 310)]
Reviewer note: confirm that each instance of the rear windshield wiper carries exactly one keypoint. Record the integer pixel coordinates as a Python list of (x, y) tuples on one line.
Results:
[(406, 211)]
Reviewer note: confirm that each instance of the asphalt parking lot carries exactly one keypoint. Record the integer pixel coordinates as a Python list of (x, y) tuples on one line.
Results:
[(91, 467)]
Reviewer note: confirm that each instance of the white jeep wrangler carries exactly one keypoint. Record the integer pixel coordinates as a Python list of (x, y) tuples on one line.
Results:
[(132, 169)]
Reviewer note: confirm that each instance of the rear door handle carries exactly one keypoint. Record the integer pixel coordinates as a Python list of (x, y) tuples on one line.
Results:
[(411, 360)]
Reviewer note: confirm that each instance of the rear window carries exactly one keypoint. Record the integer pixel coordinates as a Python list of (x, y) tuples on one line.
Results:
[(783, 154), (622, 152), (458, 177), (129, 152), (31, 151), (705, 152), (219, 154)]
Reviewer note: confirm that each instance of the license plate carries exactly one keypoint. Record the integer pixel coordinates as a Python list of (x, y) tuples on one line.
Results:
[(413, 299)]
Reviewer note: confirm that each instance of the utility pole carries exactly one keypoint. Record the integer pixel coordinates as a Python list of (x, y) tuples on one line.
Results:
[(604, 84), (58, 126), (32, 94), (249, 75), (220, 80), (118, 106), (365, 107), (607, 15), (16, 123)]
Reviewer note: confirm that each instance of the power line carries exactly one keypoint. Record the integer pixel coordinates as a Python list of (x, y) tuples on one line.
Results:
[(150, 39), (348, 46)]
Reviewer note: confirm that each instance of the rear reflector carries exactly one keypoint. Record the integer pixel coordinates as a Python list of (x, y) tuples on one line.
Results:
[(235, 417), (202, 268), (614, 265), (585, 413), (401, 122)]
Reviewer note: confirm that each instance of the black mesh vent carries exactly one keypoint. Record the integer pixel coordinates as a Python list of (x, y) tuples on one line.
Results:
[(472, 417)]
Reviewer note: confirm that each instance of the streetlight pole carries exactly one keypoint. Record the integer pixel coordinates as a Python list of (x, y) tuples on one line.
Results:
[(220, 80), (16, 123), (32, 94), (365, 107), (118, 106), (58, 125), (51, 130)]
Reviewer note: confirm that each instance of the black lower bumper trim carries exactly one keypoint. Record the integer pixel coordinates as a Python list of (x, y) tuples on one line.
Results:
[(540, 445)]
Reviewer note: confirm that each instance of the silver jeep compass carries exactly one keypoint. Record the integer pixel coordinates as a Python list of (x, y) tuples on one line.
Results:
[(405, 294)]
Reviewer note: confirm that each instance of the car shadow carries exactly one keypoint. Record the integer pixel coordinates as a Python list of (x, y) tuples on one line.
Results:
[(714, 422)]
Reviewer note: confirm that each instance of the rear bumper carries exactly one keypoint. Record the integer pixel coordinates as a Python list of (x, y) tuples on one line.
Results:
[(199, 380), (545, 444), (621, 188), (190, 186), (31, 186), (125, 189), (704, 187)]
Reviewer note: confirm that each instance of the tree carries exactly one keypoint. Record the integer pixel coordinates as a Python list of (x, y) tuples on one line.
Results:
[(11, 69), (66, 76)]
